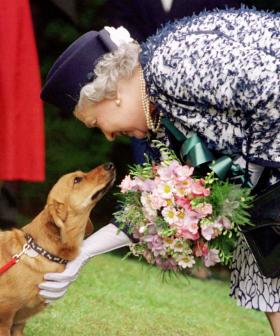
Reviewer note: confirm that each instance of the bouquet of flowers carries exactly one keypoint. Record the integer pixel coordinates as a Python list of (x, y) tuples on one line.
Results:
[(179, 218)]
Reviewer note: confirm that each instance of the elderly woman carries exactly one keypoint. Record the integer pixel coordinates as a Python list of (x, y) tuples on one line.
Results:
[(216, 74)]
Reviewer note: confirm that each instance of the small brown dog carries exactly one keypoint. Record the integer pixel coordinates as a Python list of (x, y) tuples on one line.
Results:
[(55, 236)]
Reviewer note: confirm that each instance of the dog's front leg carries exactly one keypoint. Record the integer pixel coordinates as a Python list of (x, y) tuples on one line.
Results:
[(5, 331), (6, 322), (17, 329)]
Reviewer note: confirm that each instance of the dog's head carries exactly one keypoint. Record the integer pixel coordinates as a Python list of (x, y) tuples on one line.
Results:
[(73, 197)]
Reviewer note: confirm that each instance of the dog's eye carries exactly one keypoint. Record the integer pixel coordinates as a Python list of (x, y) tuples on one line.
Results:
[(77, 179)]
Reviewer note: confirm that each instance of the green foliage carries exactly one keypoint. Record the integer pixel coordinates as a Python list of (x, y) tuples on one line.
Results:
[(91, 14), (167, 154), (131, 210), (61, 36), (231, 201), (225, 247), (145, 170)]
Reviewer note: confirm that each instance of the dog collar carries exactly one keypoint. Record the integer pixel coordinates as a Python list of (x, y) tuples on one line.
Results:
[(31, 242)]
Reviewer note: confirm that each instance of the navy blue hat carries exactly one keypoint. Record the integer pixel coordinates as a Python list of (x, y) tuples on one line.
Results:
[(74, 68)]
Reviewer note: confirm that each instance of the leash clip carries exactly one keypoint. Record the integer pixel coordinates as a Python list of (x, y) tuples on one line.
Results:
[(24, 249)]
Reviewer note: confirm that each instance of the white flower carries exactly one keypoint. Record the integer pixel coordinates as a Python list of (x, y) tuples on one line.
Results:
[(165, 189), (170, 215), (178, 246), (142, 229), (147, 207), (119, 36), (186, 261)]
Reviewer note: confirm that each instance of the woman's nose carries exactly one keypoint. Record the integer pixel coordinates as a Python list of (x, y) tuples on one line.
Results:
[(109, 136)]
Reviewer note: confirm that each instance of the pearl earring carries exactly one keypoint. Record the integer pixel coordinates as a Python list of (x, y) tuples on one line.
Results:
[(118, 102)]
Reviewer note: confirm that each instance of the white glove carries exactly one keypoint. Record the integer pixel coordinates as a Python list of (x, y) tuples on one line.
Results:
[(255, 171), (104, 240)]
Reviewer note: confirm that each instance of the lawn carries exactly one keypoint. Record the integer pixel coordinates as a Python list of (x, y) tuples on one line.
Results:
[(113, 297)]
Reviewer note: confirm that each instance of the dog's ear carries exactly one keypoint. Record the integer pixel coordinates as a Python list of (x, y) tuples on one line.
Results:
[(89, 228), (58, 214)]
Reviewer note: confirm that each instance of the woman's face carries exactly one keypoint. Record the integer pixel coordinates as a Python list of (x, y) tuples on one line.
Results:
[(121, 116)]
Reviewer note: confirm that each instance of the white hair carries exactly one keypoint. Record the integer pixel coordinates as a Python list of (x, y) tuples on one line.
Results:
[(109, 69)]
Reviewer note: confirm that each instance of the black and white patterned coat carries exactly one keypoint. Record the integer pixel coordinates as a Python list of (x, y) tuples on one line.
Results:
[(218, 74)]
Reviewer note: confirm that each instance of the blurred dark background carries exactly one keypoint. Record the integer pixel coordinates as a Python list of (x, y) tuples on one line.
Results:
[(69, 145)]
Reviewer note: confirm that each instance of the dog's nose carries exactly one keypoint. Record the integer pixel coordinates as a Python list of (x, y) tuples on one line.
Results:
[(109, 166)]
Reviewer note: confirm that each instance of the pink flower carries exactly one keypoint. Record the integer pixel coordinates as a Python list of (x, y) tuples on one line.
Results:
[(155, 168), (126, 184), (207, 231), (211, 230), (183, 232), (182, 172), (188, 219), (148, 185), (166, 173), (198, 189), (211, 258), (157, 202), (180, 191), (184, 188), (204, 209), (224, 222), (155, 244), (137, 184), (200, 249), (183, 202)]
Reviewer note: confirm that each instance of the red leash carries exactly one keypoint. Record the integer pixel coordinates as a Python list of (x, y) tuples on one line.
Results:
[(9, 264), (14, 259)]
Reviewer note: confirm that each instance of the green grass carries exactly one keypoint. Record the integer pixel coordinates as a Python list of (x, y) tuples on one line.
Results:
[(113, 297)]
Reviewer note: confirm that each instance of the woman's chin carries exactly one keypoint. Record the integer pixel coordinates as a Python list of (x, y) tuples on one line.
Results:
[(134, 134), (138, 135)]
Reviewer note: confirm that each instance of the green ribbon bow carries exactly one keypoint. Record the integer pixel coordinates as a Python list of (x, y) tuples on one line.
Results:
[(195, 153)]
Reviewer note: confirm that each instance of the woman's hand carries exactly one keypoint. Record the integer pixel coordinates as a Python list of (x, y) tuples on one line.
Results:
[(56, 284), (106, 239)]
